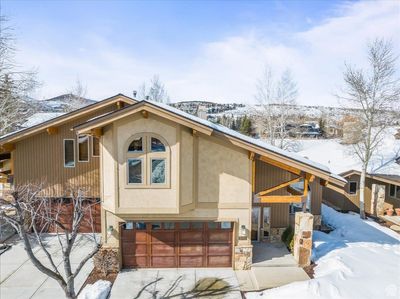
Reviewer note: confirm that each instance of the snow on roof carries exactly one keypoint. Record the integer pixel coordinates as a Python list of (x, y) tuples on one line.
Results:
[(39, 118), (235, 134), (390, 168)]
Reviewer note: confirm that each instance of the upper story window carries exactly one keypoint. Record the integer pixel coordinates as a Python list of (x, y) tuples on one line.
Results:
[(352, 187), (83, 148), (394, 191), (147, 161), (69, 153), (95, 146)]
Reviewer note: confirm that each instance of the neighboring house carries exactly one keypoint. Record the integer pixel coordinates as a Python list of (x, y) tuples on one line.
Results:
[(347, 199), (176, 190)]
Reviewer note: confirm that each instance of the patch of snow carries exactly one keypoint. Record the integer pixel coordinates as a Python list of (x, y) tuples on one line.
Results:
[(340, 158), (359, 259), (41, 117), (99, 290)]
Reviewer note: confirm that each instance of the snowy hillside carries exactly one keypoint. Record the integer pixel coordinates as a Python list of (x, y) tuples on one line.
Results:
[(359, 259), (339, 158)]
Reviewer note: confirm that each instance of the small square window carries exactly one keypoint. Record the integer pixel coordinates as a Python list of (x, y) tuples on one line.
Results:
[(212, 225), (352, 187), (158, 171), (156, 225), (169, 225), (226, 225), (140, 226), (197, 225), (184, 225), (135, 171)]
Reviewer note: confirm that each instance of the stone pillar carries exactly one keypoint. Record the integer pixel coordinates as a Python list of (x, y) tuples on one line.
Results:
[(377, 199), (243, 257), (106, 260), (303, 238)]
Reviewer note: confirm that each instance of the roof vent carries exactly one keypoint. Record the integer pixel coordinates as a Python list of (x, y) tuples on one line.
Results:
[(134, 94)]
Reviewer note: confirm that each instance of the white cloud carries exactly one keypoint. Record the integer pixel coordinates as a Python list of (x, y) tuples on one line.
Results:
[(227, 70)]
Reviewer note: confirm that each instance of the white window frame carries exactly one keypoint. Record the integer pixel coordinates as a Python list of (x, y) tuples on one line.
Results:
[(73, 148), (92, 151), (127, 171), (77, 147), (355, 193), (147, 156)]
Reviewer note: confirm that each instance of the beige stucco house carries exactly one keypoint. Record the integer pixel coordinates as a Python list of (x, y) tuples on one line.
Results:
[(175, 190)]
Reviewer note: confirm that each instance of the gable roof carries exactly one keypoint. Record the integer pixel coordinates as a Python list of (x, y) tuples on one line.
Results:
[(25, 132), (209, 128)]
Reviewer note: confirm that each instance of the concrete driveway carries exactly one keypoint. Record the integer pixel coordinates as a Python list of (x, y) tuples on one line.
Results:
[(20, 279), (216, 283)]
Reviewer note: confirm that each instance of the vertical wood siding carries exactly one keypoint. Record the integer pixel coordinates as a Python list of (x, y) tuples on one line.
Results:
[(269, 176), (40, 158)]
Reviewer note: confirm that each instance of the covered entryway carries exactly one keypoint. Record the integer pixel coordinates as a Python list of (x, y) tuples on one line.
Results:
[(176, 244)]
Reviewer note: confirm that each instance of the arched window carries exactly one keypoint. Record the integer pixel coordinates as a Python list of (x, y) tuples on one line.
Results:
[(147, 161)]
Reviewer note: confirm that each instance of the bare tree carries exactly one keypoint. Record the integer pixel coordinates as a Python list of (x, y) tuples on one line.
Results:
[(31, 215), (374, 91), (155, 91), (76, 96), (15, 84), (277, 99)]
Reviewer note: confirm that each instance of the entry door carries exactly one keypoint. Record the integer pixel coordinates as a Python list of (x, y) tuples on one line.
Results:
[(266, 223)]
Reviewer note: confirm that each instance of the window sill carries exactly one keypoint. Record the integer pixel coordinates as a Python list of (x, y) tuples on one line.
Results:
[(167, 186)]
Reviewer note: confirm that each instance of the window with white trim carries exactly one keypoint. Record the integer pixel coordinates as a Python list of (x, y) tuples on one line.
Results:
[(392, 190), (83, 148), (353, 187), (69, 153), (95, 146), (147, 161)]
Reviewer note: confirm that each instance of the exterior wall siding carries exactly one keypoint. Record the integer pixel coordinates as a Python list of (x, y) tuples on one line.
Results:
[(40, 158), (350, 202)]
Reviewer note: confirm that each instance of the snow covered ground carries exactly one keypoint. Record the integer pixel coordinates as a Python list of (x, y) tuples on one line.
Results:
[(359, 259), (339, 157)]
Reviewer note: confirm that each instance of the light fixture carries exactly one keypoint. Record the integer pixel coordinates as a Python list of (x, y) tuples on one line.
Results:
[(110, 229), (243, 231)]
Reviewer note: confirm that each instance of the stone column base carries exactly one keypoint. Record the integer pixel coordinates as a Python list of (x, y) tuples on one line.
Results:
[(303, 238), (106, 260), (243, 257)]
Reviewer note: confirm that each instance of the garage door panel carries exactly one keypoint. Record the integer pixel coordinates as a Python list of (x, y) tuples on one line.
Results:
[(191, 236), (141, 236), (163, 236), (219, 249), (163, 261), (141, 262), (219, 236), (191, 261), (140, 249), (163, 249), (192, 249), (219, 261)]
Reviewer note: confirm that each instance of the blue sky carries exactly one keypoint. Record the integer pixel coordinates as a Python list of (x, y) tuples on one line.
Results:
[(201, 49)]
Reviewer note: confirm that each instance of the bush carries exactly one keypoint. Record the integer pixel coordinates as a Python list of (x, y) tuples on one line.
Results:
[(287, 238)]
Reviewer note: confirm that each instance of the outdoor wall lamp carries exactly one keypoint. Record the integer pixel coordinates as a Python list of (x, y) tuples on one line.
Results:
[(243, 231), (110, 229)]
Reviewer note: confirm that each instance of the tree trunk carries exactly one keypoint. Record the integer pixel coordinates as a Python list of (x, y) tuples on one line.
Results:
[(362, 192)]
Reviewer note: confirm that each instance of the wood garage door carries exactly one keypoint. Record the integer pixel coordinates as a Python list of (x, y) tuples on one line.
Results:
[(176, 244)]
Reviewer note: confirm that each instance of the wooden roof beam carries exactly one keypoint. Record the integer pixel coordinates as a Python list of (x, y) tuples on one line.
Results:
[(8, 147), (52, 130), (280, 186), (282, 199), (97, 132), (281, 165)]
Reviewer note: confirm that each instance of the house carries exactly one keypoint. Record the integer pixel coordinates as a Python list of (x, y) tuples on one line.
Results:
[(175, 190), (387, 177)]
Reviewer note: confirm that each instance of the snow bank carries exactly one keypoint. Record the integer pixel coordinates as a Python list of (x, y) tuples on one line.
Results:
[(99, 290), (359, 259)]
